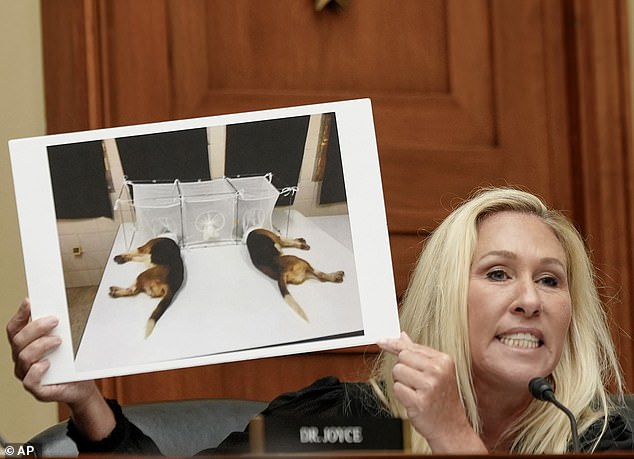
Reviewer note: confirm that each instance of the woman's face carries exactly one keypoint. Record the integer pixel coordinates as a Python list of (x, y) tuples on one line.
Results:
[(518, 301)]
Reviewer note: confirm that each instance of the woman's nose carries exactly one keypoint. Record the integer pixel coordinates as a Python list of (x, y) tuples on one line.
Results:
[(528, 301)]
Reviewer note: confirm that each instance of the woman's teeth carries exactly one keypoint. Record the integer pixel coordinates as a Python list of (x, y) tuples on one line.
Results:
[(521, 340)]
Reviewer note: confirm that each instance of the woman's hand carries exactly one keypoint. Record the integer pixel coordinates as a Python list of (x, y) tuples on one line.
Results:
[(30, 342), (425, 384)]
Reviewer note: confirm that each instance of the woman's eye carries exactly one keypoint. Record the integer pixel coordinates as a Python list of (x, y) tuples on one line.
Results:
[(497, 275), (549, 281)]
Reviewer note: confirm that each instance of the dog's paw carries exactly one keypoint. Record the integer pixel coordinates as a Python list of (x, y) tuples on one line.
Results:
[(113, 292), (302, 243), (339, 276), (120, 259)]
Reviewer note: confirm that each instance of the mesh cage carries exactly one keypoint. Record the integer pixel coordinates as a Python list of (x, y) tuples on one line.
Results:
[(209, 212), (158, 209), (256, 201)]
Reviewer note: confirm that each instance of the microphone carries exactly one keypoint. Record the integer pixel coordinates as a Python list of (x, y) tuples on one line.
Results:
[(541, 389)]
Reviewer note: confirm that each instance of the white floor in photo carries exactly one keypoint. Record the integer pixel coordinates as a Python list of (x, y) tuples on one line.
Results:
[(225, 303)]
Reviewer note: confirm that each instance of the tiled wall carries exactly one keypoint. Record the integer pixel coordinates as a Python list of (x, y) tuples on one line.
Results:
[(93, 237)]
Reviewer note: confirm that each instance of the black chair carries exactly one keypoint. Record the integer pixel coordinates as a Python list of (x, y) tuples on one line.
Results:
[(179, 428)]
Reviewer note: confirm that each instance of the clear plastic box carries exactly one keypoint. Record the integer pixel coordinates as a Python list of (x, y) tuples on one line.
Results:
[(157, 209), (202, 213), (256, 201), (209, 212)]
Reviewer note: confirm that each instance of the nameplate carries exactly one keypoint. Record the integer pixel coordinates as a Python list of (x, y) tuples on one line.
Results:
[(273, 434)]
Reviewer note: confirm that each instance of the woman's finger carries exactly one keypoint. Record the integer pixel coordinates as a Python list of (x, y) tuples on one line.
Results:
[(396, 345), (31, 333), (33, 353), (33, 381), (19, 319), (406, 339)]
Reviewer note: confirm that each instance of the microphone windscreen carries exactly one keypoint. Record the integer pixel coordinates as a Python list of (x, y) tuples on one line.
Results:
[(541, 389)]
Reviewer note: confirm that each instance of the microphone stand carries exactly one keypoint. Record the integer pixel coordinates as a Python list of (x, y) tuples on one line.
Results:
[(541, 389)]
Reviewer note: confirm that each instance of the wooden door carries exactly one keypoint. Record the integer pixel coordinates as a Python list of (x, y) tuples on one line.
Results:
[(532, 93)]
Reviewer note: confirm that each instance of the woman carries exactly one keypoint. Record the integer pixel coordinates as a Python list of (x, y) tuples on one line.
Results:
[(470, 297), (503, 292)]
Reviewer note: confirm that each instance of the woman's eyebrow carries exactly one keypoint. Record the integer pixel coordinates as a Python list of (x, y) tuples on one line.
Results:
[(553, 261), (512, 255), (500, 253)]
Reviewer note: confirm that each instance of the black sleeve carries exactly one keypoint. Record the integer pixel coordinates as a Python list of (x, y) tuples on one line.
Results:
[(618, 436), (125, 437), (324, 397), (234, 443)]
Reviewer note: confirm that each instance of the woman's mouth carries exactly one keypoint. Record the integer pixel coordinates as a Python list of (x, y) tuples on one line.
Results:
[(520, 340)]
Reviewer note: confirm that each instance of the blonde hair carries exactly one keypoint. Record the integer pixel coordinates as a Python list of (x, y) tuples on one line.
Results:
[(434, 313)]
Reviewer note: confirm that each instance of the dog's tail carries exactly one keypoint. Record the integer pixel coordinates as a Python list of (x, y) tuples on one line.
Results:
[(159, 311), (290, 300)]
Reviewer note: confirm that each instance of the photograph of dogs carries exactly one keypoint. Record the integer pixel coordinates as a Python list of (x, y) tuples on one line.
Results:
[(162, 279), (264, 248), (212, 296)]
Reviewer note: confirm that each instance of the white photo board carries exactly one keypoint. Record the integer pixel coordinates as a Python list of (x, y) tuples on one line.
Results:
[(226, 309)]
